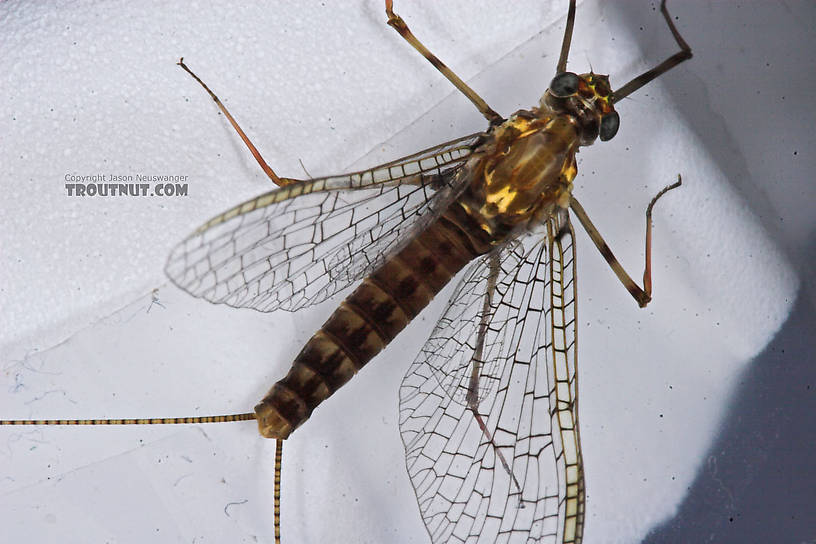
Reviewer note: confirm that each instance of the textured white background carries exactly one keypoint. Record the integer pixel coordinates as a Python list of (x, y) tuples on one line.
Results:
[(93, 88)]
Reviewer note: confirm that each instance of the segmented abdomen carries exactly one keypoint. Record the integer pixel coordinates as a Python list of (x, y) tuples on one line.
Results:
[(372, 316)]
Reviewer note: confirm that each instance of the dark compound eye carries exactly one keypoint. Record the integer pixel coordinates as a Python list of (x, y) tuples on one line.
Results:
[(564, 84), (609, 126)]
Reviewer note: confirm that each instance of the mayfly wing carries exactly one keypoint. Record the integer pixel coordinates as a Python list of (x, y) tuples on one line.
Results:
[(300, 244), (512, 473)]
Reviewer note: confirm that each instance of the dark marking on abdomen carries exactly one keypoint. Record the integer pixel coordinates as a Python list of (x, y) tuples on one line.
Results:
[(372, 316)]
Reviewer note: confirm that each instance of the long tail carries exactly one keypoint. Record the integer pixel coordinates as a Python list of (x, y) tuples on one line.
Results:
[(140, 421), (277, 495), (174, 421)]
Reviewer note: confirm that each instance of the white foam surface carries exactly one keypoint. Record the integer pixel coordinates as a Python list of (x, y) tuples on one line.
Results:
[(93, 89)]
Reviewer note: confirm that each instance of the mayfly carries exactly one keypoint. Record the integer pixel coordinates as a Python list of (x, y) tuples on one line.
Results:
[(489, 408)]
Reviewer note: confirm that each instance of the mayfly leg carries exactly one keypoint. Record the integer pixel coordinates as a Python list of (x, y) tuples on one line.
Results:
[(641, 295), (647, 76), (472, 396), (398, 24), (565, 43), (279, 181)]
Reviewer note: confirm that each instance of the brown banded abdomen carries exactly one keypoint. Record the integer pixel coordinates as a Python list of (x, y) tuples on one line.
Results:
[(372, 316)]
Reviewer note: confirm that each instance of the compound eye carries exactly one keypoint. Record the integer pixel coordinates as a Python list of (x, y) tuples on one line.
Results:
[(564, 84), (609, 126)]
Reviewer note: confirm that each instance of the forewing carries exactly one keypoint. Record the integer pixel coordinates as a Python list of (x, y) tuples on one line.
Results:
[(526, 399), (298, 245)]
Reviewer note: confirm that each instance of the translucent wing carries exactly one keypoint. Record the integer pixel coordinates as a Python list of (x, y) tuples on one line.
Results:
[(519, 478), (300, 244)]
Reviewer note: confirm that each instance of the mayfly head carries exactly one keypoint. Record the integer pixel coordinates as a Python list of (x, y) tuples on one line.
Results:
[(587, 99)]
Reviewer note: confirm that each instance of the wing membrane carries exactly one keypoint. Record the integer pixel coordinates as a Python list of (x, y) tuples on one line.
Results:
[(526, 398), (298, 245)]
